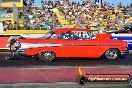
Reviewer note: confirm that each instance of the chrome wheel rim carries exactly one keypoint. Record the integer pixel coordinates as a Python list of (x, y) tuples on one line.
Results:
[(48, 55), (112, 54)]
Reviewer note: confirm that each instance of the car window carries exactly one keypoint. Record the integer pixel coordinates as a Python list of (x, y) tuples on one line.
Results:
[(68, 36), (54, 36), (76, 35), (49, 34), (85, 35)]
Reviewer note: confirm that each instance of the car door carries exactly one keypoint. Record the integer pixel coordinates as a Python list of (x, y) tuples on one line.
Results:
[(73, 47), (66, 49), (85, 48)]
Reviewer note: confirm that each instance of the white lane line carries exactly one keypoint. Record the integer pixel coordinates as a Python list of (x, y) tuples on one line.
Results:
[(69, 67)]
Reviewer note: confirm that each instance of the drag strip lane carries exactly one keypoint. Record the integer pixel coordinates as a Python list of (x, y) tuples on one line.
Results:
[(61, 62)]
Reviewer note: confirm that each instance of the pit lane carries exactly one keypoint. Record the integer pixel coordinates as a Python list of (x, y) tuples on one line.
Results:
[(21, 62)]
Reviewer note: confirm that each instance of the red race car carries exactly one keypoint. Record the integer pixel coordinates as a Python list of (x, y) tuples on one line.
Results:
[(70, 42)]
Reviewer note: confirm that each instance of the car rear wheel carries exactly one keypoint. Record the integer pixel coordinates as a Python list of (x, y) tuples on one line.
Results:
[(112, 54), (47, 56), (81, 80)]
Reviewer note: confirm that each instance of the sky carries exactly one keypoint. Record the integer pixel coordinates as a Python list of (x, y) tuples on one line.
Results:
[(126, 2)]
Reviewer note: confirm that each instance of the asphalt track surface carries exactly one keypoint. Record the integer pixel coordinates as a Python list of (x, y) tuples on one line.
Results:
[(63, 62), (64, 85), (22, 72)]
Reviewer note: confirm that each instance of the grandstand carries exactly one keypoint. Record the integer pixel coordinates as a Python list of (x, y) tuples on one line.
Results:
[(59, 14)]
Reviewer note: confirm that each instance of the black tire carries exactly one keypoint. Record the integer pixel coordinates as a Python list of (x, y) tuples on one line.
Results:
[(81, 80), (47, 56), (112, 54), (35, 57)]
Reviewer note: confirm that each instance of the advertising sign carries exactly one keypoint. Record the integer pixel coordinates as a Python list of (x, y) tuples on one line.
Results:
[(84, 78)]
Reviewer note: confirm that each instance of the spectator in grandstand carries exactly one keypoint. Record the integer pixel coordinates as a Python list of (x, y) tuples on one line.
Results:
[(15, 25), (5, 26), (10, 26)]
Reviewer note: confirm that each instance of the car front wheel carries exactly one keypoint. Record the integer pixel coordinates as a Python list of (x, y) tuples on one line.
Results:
[(112, 54), (47, 56)]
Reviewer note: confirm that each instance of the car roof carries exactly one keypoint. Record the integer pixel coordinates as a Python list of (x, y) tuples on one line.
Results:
[(61, 30)]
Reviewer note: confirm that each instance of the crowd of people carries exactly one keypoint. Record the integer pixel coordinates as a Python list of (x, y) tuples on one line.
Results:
[(39, 18), (6, 13), (83, 14), (88, 14), (92, 15)]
